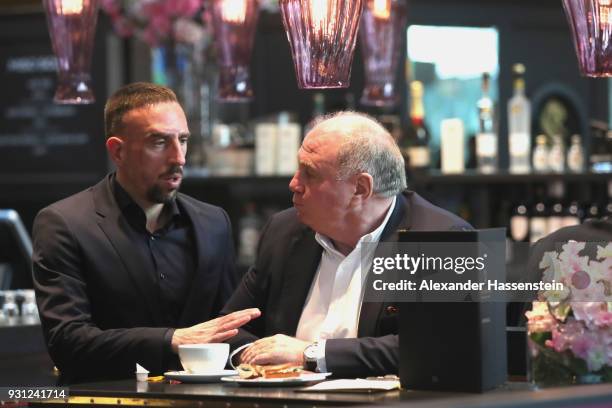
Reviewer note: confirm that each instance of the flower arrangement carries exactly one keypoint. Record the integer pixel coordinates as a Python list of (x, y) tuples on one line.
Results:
[(570, 331), (156, 21)]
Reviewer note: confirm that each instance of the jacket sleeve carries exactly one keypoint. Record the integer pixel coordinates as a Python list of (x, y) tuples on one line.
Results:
[(229, 274), (78, 347), (362, 357), (252, 291)]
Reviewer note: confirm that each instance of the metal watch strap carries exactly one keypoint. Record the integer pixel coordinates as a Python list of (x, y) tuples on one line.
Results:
[(310, 363)]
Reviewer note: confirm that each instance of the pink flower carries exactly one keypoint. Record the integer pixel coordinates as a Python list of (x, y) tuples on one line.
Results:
[(161, 24), (582, 344), (123, 27), (111, 7), (604, 320), (150, 36), (587, 311), (182, 8), (539, 318), (560, 340), (592, 293)]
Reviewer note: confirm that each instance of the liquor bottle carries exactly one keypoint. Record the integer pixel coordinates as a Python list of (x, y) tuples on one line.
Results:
[(452, 159), (415, 142), (486, 138), (10, 309), (556, 155), (538, 223), (573, 215), (249, 227), (29, 310), (600, 157), (591, 212), (519, 224), (318, 105), (555, 221), (540, 155), (556, 190), (575, 155), (519, 124), (608, 210)]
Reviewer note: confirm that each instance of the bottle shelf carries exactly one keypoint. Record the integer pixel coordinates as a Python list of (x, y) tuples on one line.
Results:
[(505, 177), (432, 177)]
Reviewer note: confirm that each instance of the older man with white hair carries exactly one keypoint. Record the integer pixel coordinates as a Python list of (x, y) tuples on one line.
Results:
[(349, 189)]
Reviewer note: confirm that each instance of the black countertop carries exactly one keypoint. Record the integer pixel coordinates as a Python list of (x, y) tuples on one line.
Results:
[(130, 392)]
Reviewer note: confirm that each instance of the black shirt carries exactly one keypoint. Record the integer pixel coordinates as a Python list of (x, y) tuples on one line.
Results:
[(168, 253)]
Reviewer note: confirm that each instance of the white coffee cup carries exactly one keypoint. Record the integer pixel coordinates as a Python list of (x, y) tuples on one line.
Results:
[(204, 358)]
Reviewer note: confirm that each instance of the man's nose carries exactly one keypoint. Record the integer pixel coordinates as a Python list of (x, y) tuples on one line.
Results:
[(294, 185), (177, 153)]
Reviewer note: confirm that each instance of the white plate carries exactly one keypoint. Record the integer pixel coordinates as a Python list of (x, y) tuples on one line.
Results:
[(277, 382), (187, 377)]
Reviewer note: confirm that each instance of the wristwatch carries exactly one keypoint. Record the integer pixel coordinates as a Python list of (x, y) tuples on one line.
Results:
[(311, 355)]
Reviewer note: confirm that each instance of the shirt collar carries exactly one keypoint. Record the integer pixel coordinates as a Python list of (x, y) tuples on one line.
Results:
[(373, 236), (127, 203)]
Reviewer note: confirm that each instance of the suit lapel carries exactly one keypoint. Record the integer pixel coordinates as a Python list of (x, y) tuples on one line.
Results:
[(302, 263), (116, 228), (399, 220)]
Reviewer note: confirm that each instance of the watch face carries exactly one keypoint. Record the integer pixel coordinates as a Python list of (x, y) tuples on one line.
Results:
[(311, 352)]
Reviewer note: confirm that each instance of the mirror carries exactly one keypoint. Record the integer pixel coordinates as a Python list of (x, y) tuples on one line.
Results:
[(450, 62)]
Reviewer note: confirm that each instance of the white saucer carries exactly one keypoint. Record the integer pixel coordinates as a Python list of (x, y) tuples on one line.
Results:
[(187, 377), (303, 379)]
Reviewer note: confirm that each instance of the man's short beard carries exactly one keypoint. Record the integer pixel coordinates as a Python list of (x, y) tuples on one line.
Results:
[(156, 195)]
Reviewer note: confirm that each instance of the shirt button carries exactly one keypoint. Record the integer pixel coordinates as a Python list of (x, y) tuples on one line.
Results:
[(391, 310), (162, 276)]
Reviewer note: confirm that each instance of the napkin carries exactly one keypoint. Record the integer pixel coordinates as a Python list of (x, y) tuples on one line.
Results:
[(356, 385), (141, 373)]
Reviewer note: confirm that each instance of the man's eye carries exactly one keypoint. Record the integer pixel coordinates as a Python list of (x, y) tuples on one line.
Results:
[(184, 140)]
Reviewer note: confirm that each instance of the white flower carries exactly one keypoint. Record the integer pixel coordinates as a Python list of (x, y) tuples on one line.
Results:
[(604, 252)]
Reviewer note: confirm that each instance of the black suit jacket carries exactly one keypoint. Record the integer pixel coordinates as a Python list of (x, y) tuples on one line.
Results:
[(99, 308), (281, 278)]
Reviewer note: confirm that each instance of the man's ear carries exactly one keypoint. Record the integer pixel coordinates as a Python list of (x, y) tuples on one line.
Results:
[(115, 148), (364, 187)]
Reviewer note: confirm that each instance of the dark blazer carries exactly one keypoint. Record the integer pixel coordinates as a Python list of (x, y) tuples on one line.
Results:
[(99, 309), (280, 280)]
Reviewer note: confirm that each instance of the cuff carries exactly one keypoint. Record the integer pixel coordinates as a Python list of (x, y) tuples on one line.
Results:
[(168, 354), (321, 364)]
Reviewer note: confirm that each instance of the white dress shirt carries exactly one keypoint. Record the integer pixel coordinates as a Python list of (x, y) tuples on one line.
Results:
[(333, 304)]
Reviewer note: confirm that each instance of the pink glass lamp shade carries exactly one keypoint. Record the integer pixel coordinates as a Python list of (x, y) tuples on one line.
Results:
[(322, 36), (72, 25), (234, 23), (591, 26), (382, 26)]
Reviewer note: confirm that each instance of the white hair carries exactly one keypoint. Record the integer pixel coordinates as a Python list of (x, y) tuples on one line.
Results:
[(366, 147)]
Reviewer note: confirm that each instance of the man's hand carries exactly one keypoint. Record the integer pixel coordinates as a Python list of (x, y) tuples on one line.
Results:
[(214, 331), (276, 349)]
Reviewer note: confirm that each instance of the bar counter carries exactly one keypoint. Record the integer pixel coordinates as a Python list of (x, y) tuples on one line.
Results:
[(132, 393)]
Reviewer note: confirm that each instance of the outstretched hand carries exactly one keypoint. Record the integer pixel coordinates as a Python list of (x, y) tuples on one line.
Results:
[(214, 331)]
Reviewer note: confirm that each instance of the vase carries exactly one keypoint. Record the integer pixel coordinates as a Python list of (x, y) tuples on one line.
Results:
[(549, 368), (322, 36), (234, 24), (72, 26), (381, 38), (590, 23)]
